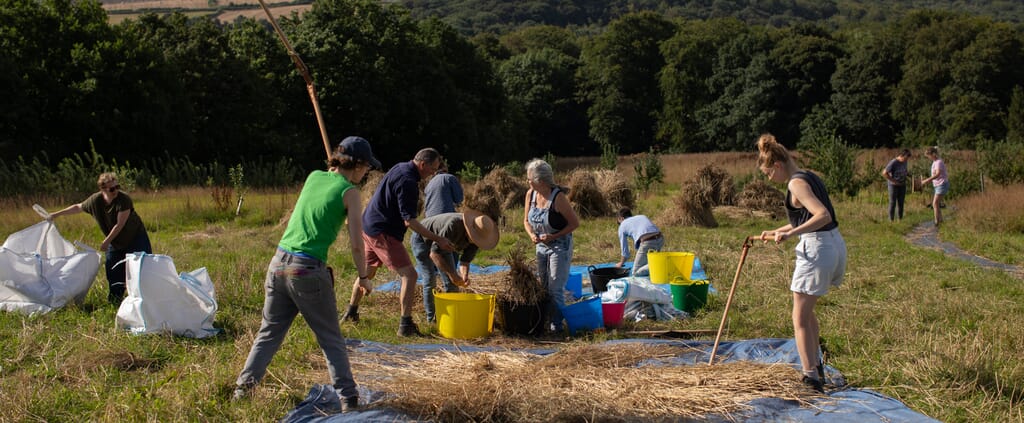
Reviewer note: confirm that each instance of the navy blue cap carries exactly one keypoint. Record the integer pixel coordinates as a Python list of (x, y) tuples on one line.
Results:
[(359, 149)]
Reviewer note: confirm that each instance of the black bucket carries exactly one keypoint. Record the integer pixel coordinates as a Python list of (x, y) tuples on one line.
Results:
[(599, 277), (523, 319)]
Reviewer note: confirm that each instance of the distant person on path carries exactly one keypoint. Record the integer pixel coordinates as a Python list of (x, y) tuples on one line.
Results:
[(896, 174), (125, 233), (645, 236), (550, 220), (468, 232), (298, 280), (442, 194), (939, 180), (820, 254), (391, 211)]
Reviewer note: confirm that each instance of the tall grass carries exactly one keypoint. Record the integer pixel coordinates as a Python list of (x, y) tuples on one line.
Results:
[(939, 334)]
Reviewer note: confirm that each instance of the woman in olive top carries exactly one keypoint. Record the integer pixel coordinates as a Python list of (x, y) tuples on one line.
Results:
[(125, 233)]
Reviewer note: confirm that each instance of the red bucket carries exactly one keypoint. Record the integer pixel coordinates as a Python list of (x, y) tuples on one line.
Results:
[(613, 314)]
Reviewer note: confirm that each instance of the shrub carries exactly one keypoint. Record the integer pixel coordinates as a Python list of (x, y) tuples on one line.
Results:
[(1002, 162), (469, 173), (648, 171), (834, 160)]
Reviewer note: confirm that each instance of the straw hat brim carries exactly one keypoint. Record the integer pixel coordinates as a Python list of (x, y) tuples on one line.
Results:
[(481, 229)]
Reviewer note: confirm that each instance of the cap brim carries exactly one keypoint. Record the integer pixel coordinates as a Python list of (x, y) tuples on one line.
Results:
[(375, 164)]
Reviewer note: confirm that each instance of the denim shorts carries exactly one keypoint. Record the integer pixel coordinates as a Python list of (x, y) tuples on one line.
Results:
[(942, 189), (820, 262)]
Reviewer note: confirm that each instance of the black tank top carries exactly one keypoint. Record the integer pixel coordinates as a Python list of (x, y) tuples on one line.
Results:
[(797, 216)]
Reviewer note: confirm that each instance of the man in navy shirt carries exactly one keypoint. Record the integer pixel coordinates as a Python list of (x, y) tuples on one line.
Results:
[(391, 211)]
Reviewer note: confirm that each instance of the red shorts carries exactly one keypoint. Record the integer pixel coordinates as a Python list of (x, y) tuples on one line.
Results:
[(385, 249)]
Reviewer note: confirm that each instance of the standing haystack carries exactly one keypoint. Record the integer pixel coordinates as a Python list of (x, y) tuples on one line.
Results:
[(369, 185), (718, 182), (485, 199), (511, 190), (615, 189), (692, 207), (759, 195), (586, 198)]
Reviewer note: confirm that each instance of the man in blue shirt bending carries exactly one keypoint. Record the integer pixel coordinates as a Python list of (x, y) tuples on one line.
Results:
[(645, 236), (391, 211)]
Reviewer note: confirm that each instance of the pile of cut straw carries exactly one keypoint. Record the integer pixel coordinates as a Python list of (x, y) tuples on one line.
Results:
[(583, 383)]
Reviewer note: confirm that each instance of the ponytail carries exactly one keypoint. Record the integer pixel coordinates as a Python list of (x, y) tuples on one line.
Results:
[(770, 151)]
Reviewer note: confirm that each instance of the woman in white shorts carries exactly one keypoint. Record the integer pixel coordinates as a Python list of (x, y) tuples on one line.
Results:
[(820, 254)]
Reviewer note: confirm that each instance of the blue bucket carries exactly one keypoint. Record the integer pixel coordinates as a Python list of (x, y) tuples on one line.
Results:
[(584, 315), (575, 284)]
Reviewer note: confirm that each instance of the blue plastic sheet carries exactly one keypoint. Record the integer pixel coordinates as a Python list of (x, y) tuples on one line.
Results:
[(843, 404)]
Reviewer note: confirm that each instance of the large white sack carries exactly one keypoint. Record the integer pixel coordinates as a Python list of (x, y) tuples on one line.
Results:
[(41, 271), (162, 301)]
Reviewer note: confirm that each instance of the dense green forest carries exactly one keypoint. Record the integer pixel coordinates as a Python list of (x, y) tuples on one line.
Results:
[(170, 92), (476, 16)]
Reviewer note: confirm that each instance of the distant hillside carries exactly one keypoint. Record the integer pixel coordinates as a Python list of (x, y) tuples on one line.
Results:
[(474, 16), (222, 10)]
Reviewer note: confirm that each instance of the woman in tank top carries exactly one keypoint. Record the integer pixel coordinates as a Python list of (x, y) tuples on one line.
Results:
[(550, 220), (820, 254)]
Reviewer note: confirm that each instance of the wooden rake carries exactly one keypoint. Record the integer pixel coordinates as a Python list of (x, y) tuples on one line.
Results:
[(747, 242), (304, 71)]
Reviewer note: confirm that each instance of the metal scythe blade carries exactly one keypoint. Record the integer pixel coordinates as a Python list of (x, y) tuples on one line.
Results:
[(305, 75)]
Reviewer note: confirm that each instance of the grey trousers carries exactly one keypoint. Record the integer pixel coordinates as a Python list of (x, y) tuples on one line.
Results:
[(294, 285)]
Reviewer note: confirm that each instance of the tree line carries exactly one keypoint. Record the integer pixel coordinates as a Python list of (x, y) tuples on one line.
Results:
[(173, 86)]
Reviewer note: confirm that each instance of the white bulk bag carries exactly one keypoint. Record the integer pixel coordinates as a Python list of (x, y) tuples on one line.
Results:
[(41, 271), (162, 301)]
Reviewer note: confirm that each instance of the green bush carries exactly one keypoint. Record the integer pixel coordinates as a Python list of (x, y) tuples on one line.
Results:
[(648, 171), (469, 173), (834, 160), (1002, 162)]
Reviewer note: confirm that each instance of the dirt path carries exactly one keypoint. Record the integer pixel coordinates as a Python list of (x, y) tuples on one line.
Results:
[(925, 235)]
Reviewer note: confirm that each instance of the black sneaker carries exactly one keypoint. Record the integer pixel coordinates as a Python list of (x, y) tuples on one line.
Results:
[(350, 315), (408, 329), (814, 384), (349, 404)]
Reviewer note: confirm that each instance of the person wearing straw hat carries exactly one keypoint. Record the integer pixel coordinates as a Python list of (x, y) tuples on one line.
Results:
[(298, 280), (646, 237), (125, 233), (468, 232)]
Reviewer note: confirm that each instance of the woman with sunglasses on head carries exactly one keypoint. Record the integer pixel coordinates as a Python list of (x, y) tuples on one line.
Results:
[(115, 214), (820, 254)]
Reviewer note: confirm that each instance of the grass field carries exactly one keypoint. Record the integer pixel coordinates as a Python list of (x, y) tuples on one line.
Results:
[(941, 335)]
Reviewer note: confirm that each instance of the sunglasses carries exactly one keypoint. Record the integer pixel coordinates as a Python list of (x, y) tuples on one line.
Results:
[(112, 189)]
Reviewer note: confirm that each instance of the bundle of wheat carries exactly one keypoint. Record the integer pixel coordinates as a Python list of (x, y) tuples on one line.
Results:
[(762, 196), (582, 383), (719, 184), (586, 198), (511, 190), (692, 207), (615, 188), (485, 199)]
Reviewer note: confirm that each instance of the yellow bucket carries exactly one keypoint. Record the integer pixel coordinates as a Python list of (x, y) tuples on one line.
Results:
[(464, 316), (667, 266)]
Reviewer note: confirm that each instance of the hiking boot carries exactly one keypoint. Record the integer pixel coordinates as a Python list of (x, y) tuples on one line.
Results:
[(349, 404), (814, 384), (408, 329), (351, 314)]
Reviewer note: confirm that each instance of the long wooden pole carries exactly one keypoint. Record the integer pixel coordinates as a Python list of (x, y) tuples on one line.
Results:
[(301, 66), (728, 302)]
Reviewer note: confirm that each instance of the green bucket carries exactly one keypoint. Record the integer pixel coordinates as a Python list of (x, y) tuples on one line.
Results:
[(689, 296)]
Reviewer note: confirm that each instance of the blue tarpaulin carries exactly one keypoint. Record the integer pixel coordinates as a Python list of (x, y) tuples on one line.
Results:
[(842, 404)]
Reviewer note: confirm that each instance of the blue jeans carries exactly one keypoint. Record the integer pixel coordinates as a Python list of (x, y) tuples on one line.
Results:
[(640, 261), (553, 262), (294, 285), (428, 271), (116, 278), (897, 194)]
